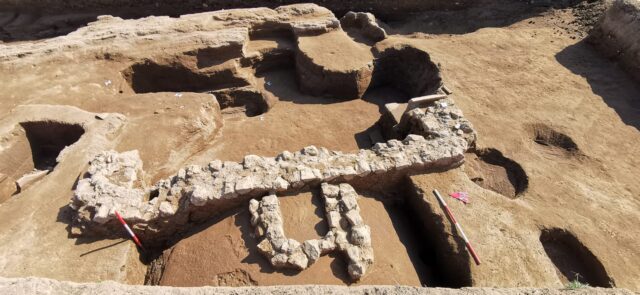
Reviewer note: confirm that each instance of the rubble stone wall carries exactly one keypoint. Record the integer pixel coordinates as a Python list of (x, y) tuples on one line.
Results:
[(197, 193), (347, 233)]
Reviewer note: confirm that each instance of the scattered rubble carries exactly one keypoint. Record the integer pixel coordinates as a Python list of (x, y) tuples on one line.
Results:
[(366, 23), (438, 120)]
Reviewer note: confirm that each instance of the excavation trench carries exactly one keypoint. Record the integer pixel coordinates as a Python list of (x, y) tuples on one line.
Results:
[(443, 252), (32, 152), (148, 76), (399, 219)]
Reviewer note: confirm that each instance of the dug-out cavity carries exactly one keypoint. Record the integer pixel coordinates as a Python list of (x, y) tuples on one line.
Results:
[(407, 69), (550, 138), (573, 260), (31, 150), (491, 170), (149, 76)]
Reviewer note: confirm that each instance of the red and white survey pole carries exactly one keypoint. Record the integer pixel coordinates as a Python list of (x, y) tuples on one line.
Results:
[(126, 226), (453, 219)]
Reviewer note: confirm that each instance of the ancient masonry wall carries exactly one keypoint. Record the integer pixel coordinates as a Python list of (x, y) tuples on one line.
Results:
[(347, 233), (197, 193)]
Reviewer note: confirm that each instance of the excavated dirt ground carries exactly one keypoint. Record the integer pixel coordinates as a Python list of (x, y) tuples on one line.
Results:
[(553, 179)]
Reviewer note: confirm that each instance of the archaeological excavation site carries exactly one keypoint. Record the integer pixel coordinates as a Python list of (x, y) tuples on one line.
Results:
[(320, 147)]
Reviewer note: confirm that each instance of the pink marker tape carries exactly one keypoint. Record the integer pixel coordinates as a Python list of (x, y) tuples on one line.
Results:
[(453, 219)]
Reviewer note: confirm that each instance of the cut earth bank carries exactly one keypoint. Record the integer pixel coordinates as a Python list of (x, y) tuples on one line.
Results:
[(571, 193)]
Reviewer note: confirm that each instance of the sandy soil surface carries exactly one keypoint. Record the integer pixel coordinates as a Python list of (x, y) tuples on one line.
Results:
[(535, 92), (237, 262), (295, 121), (336, 51)]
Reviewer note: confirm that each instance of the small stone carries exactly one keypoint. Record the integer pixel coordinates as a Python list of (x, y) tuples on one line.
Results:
[(341, 240), (413, 138), (266, 248), (292, 245), (166, 209), (356, 271), (279, 244), (229, 190), (280, 184), (270, 200), (245, 185), (353, 253), (330, 191), (354, 217), (102, 216), (251, 161), (182, 174), (394, 143), (310, 151), (298, 260), (333, 219), (193, 170), (345, 188), (312, 249), (349, 201), (260, 232), (271, 219), (307, 175), (215, 165), (279, 260), (199, 195), (362, 167), (254, 205), (330, 204), (327, 246), (284, 156), (255, 218), (361, 235)]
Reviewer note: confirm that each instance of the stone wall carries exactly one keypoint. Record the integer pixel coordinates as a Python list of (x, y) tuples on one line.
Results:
[(347, 234), (197, 193)]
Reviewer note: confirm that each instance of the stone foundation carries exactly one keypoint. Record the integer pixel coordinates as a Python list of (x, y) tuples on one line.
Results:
[(198, 193), (347, 233)]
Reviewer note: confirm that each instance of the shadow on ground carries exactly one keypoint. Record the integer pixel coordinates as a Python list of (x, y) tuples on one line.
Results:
[(617, 89)]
